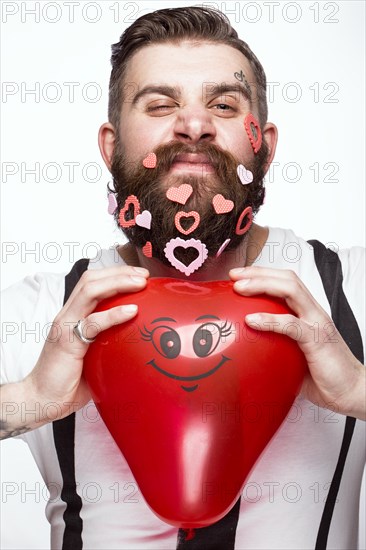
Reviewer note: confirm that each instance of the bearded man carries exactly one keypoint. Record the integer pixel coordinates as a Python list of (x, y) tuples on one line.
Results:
[(188, 141)]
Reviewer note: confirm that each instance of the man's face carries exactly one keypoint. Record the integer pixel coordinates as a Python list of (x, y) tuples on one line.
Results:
[(187, 103), (195, 116)]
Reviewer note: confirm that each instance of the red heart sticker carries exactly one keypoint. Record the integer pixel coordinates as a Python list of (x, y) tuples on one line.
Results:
[(247, 213), (131, 200), (196, 221), (191, 394), (251, 125), (147, 249)]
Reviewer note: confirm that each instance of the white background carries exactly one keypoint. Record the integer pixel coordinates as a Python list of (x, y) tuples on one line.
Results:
[(313, 54)]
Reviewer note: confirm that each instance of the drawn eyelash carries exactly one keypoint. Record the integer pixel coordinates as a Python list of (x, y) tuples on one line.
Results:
[(225, 330), (146, 334)]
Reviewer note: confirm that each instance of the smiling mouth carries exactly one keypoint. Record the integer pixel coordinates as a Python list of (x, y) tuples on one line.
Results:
[(189, 378)]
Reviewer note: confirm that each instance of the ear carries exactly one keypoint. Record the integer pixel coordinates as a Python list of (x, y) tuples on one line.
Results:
[(270, 134), (106, 142)]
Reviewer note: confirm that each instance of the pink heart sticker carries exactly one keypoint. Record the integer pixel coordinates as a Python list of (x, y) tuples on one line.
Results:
[(190, 243), (180, 194), (222, 247), (222, 205), (147, 249), (144, 219), (149, 161), (196, 220), (245, 175), (112, 203)]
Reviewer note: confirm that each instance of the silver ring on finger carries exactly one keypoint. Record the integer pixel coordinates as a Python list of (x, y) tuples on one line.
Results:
[(78, 331)]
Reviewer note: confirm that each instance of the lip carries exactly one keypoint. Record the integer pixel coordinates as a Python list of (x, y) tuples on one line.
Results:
[(192, 162), (192, 158)]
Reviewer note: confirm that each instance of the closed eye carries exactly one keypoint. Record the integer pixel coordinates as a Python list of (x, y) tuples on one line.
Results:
[(161, 108)]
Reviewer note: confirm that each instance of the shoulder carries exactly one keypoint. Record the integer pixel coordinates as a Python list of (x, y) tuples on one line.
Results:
[(28, 307), (353, 262), (286, 250), (22, 298), (44, 288)]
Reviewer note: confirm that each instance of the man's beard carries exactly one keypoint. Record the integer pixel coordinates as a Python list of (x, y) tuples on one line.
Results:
[(150, 187)]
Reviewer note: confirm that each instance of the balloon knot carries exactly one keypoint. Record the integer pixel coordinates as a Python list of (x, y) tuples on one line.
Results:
[(190, 534)]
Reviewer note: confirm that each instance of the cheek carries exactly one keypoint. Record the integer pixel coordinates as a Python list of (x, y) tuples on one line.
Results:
[(237, 142), (139, 137), (135, 141)]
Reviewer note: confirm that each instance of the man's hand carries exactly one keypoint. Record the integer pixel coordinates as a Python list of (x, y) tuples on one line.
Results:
[(55, 384), (337, 378)]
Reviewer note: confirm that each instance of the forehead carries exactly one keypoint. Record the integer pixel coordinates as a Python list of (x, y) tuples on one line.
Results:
[(188, 63)]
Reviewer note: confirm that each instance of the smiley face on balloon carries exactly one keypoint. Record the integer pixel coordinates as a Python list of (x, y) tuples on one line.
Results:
[(179, 347), (186, 356)]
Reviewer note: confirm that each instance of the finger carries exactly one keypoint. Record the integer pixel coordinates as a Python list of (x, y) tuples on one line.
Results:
[(97, 274), (282, 324), (95, 323), (256, 271), (300, 330), (292, 290), (94, 291)]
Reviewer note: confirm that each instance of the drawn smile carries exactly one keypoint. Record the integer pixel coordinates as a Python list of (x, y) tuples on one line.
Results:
[(189, 378)]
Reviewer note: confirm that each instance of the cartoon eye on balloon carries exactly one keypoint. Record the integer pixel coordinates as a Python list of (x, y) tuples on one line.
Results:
[(194, 343), (207, 337), (167, 341), (164, 339)]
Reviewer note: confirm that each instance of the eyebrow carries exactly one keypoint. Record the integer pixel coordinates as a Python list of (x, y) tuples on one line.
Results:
[(163, 319), (171, 91), (212, 90), (222, 89), (208, 317)]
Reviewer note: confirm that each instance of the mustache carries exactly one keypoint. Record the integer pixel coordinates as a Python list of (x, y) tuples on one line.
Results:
[(223, 162), (149, 185)]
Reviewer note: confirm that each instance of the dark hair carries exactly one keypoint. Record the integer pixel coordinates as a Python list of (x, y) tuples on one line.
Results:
[(174, 25)]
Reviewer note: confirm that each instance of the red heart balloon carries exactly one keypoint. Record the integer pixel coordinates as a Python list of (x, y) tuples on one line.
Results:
[(191, 394)]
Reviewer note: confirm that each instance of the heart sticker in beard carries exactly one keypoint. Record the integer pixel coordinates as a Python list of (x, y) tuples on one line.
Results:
[(174, 244), (126, 218), (180, 194), (112, 203), (147, 249), (150, 161), (186, 215), (245, 176), (192, 395), (144, 219), (222, 248), (253, 131), (222, 205)]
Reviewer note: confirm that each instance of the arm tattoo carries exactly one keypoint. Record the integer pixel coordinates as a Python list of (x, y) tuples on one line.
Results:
[(6, 431)]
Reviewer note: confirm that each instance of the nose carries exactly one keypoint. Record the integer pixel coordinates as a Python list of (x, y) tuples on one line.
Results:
[(194, 125)]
